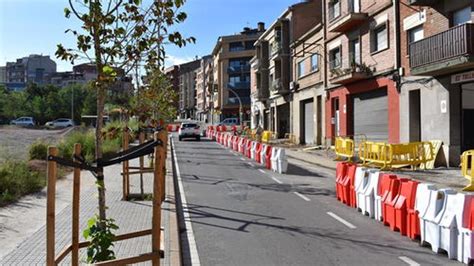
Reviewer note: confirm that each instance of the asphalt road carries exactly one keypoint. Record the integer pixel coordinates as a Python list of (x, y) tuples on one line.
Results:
[(242, 214)]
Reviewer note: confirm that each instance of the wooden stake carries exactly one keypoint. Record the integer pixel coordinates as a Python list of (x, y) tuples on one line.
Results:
[(125, 166), (75, 208), (164, 138), (141, 139), (156, 219), (50, 208)]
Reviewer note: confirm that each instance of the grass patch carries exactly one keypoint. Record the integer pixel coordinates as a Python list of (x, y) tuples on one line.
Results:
[(17, 179)]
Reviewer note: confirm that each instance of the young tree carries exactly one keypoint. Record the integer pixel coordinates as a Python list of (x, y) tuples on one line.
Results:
[(120, 33)]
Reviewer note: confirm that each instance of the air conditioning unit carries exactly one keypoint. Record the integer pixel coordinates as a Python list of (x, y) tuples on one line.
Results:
[(293, 86)]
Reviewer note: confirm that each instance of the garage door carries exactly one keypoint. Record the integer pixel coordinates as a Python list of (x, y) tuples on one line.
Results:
[(308, 121), (371, 115)]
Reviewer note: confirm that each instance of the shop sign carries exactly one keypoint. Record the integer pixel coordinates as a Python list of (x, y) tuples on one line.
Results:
[(462, 77)]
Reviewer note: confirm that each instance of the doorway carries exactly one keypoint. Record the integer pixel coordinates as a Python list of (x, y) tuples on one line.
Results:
[(414, 112), (467, 95), (319, 120), (307, 122)]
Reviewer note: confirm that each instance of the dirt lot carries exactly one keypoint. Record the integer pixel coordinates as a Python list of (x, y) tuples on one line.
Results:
[(15, 141)]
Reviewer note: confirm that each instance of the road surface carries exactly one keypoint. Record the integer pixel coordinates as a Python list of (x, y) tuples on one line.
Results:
[(243, 214)]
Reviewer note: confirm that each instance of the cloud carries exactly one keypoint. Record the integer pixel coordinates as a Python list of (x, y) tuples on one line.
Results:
[(172, 60)]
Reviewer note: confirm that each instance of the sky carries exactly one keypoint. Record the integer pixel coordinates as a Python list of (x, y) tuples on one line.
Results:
[(37, 26)]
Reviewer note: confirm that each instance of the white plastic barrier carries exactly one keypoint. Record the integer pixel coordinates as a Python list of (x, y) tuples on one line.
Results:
[(241, 144), (263, 155), (370, 191), (253, 152), (282, 161), (360, 181), (229, 141), (274, 159), (430, 220), (451, 226)]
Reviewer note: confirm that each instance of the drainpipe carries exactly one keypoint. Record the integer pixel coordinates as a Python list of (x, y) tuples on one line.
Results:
[(397, 26)]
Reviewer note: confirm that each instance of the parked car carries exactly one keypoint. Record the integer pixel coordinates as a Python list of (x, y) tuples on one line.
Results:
[(189, 130), (229, 122), (25, 121), (61, 122)]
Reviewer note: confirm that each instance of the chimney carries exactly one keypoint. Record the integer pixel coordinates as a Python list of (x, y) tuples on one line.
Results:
[(261, 26)]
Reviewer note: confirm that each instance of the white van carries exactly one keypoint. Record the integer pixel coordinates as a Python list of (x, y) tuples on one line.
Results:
[(229, 122)]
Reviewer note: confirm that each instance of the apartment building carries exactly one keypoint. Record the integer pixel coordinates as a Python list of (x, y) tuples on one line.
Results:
[(187, 89), (308, 87), (361, 44), (437, 88), (231, 74), (172, 73), (202, 89), (273, 67), (3, 74), (33, 68)]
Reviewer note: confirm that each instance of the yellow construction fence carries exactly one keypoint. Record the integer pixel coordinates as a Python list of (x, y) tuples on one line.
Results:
[(467, 170)]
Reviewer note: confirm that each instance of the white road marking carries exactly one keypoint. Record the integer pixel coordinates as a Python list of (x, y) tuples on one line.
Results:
[(409, 261), (187, 219), (250, 164), (302, 196), (261, 170), (276, 180), (242, 159), (346, 223)]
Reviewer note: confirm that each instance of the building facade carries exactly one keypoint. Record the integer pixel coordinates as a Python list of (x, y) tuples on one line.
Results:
[(231, 74), (187, 89), (172, 73), (437, 88), (274, 63), (202, 89), (361, 46), (34, 68)]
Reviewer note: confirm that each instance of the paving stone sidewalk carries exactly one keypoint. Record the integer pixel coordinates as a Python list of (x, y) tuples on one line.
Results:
[(129, 215)]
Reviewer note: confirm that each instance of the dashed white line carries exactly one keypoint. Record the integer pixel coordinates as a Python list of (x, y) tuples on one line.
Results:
[(261, 170), (409, 261), (250, 164), (242, 159), (346, 223), (276, 180), (302, 196)]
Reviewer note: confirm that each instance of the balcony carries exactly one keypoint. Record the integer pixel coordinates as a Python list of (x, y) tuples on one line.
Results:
[(242, 85), (422, 2), (276, 49), (348, 71), (238, 69), (277, 88), (346, 20), (444, 53)]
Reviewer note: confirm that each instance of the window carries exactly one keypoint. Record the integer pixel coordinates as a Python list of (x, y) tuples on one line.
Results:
[(334, 9), (354, 48), (380, 38), (236, 46), (249, 45), (314, 62), (462, 16), (415, 34), (335, 56), (300, 68)]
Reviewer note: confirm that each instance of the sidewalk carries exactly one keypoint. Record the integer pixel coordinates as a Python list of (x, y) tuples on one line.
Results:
[(442, 177), (129, 216)]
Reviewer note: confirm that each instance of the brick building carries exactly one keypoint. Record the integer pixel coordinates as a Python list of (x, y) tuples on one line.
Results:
[(202, 88), (437, 88), (362, 98)]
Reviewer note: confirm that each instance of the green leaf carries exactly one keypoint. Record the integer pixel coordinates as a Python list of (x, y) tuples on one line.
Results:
[(67, 12), (109, 71)]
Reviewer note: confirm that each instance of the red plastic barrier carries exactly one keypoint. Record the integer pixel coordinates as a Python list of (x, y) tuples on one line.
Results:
[(248, 151), (268, 157), (469, 216), (244, 146), (235, 144), (389, 200), (341, 170), (259, 152), (223, 128), (348, 184), (406, 219), (234, 129)]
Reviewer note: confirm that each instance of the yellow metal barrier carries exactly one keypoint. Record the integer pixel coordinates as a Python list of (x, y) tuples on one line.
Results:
[(388, 156), (266, 136), (344, 148), (467, 169)]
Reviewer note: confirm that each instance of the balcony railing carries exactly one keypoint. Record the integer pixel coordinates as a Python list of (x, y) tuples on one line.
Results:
[(348, 69), (239, 85), (422, 2), (449, 49), (342, 18), (276, 48), (238, 69)]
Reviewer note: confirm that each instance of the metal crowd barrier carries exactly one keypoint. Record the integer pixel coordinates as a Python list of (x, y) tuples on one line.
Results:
[(344, 147), (467, 169)]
